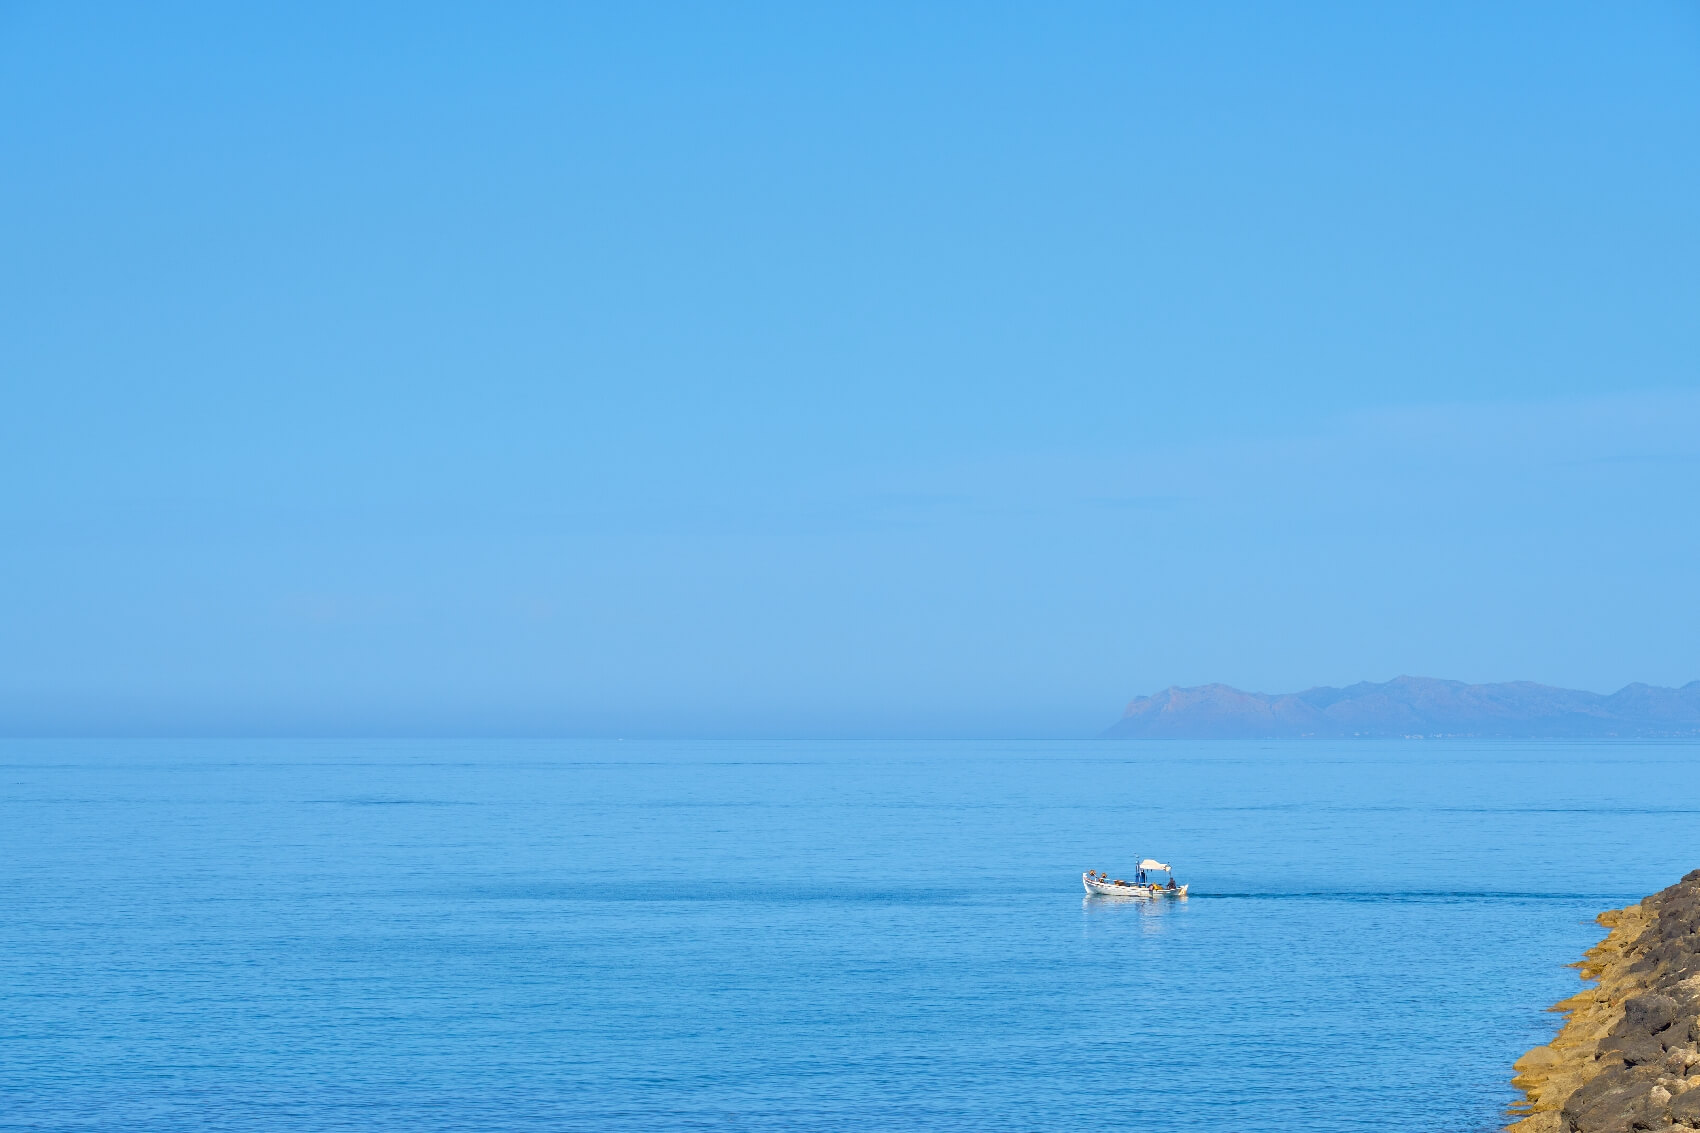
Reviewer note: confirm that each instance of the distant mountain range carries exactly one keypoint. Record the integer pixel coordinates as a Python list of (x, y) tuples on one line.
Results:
[(1412, 706)]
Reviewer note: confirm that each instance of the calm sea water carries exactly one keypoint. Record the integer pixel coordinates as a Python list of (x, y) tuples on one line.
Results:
[(802, 935)]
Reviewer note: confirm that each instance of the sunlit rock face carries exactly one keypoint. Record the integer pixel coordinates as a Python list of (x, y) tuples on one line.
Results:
[(1629, 1054)]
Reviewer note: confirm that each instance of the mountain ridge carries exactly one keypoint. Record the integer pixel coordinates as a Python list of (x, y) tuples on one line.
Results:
[(1412, 706)]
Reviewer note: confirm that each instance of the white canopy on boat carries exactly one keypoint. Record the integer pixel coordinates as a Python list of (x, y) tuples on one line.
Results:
[(1152, 863)]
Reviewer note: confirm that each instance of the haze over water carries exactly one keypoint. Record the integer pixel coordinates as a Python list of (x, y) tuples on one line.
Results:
[(782, 935)]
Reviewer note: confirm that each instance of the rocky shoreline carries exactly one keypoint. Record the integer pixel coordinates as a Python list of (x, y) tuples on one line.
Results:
[(1627, 1057)]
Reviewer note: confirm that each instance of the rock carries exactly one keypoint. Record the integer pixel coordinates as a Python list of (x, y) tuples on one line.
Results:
[(1610, 1104), (1628, 1056), (1685, 1109), (1634, 1048), (1679, 1060), (1649, 1013)]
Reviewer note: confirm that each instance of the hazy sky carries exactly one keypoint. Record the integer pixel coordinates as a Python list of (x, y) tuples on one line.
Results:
[(865, 369)]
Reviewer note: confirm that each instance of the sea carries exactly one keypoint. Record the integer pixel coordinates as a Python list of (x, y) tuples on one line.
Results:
[(520, 935)]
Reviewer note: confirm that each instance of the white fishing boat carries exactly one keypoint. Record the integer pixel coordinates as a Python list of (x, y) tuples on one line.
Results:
[(1143, 885)]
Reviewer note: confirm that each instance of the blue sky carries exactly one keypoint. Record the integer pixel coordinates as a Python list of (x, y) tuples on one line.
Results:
[(836, 370)]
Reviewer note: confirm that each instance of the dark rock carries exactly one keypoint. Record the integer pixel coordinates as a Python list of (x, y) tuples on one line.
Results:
[(1685, 1107), (1675, 924), (1666, 951), (1649, 1013), (1635, 1049), (1615, 1102)]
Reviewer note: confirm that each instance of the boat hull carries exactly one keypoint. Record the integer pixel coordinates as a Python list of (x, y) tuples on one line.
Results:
[(1110, 889)]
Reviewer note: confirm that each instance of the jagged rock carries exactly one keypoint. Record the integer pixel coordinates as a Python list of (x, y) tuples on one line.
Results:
[(1626, 1058), (1610, 1104), (1634, 1048), (1649, 1014), (1685, 1110)]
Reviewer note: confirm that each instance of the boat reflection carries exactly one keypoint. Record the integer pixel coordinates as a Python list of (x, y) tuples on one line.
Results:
[(1127, 906)]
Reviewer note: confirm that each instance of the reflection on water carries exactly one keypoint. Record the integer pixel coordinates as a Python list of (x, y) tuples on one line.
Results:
[(1133, 899), (1149, 913)]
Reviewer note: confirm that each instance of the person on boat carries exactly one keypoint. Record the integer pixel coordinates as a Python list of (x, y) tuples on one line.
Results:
[(1142, 877), (1171, 881)]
